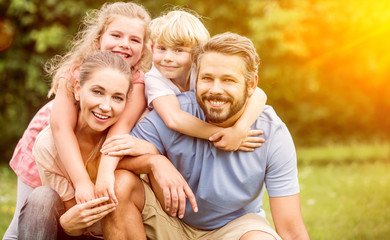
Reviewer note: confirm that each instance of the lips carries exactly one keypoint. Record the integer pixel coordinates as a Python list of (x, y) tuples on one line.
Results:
[(217, 101), (122, 54), (100, 117)]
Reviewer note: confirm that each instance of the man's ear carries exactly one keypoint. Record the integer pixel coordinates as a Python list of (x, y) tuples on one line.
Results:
[(252, 85), (76, 90)]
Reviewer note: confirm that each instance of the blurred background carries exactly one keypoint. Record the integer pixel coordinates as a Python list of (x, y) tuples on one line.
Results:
[(325, 66)]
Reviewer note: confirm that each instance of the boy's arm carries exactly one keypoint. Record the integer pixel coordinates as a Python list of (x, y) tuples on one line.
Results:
[(286, 214), (63, 120), (135, 106), (168, 108), (239, 132)]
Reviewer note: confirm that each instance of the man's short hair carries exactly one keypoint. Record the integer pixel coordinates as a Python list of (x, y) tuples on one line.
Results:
[(231, 44)]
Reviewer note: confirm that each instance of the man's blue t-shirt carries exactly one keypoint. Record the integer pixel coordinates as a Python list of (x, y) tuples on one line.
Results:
[(226, 185)]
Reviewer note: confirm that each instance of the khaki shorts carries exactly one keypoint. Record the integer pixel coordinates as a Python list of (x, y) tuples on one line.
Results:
[(159, 225)]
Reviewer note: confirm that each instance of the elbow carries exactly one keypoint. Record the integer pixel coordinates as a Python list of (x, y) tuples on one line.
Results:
[(172, 123)]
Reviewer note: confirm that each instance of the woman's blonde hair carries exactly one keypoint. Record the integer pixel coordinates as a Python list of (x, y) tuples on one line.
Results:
[(87, 40), (179, 28), (102, 60)]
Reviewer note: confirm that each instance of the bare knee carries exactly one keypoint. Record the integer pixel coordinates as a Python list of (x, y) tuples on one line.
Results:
[(129, 188), (256, 235)]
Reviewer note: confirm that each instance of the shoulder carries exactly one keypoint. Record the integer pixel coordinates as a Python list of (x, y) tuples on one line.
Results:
[(44, 143), (188, 103), (138, 77)]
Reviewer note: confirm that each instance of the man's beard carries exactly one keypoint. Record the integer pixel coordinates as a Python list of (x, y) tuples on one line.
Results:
[(215, 115)]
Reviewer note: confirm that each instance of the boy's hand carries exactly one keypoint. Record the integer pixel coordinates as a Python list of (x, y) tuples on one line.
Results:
[(105, 186), (232, 139), (125, 144), (250, 143), (84, 192)]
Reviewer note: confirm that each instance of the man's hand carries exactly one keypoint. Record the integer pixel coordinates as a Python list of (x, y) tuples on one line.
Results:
[(84, 192), (80, 216), (173, 188)]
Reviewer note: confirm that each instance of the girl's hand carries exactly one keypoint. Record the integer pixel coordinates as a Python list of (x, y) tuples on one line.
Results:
[(232, 139), (105, 183), (81, 216), (84, 192), (125, 144)]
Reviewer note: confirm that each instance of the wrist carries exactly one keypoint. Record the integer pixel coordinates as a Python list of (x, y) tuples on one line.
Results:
[(68, 229)]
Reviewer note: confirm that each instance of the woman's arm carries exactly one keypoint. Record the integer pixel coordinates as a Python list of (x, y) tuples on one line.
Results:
[(134, 108), (63, 121)]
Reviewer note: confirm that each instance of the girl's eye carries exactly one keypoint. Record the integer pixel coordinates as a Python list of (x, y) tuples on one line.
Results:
[(136, 40), (115, 35)]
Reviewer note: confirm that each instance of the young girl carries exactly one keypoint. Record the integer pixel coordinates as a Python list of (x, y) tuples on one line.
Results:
[(118, 27), (174, 36), (101, 92)]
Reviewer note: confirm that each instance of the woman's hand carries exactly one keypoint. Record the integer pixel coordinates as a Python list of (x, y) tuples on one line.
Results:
[(125, 144), (80, 216)]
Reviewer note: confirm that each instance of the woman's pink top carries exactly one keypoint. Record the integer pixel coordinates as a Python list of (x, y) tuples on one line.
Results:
[(22, 161)]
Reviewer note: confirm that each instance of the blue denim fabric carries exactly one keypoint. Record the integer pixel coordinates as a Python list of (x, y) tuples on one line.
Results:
[(39, 217)]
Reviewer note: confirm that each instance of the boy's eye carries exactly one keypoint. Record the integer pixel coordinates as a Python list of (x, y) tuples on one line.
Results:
[(179, 50)]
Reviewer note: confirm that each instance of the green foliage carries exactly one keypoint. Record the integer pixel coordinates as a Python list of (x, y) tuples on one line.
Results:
[(324, 64)]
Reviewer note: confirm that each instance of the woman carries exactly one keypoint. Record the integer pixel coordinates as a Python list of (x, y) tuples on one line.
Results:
[(101, 93)]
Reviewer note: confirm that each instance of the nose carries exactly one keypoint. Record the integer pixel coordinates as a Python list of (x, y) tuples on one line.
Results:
[(105, 105), (168, 56), (124, 44), (216, 87)]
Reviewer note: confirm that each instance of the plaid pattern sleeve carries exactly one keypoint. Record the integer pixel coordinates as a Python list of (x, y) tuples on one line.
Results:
[(22, 161)]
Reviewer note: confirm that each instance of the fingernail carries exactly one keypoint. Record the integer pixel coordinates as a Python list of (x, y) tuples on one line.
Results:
[(196, 210)]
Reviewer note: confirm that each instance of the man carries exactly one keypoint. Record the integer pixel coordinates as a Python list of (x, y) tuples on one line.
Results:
[(224, 189)]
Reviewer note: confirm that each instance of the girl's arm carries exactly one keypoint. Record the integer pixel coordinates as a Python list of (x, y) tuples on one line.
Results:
[(63, 121), (134, 108), (239, 132)]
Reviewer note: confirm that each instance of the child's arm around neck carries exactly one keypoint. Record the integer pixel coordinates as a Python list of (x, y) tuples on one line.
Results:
[(228, 139), (63, 121)]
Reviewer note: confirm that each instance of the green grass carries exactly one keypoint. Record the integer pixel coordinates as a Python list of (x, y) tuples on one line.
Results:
[(8, 183), (344, 192)]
